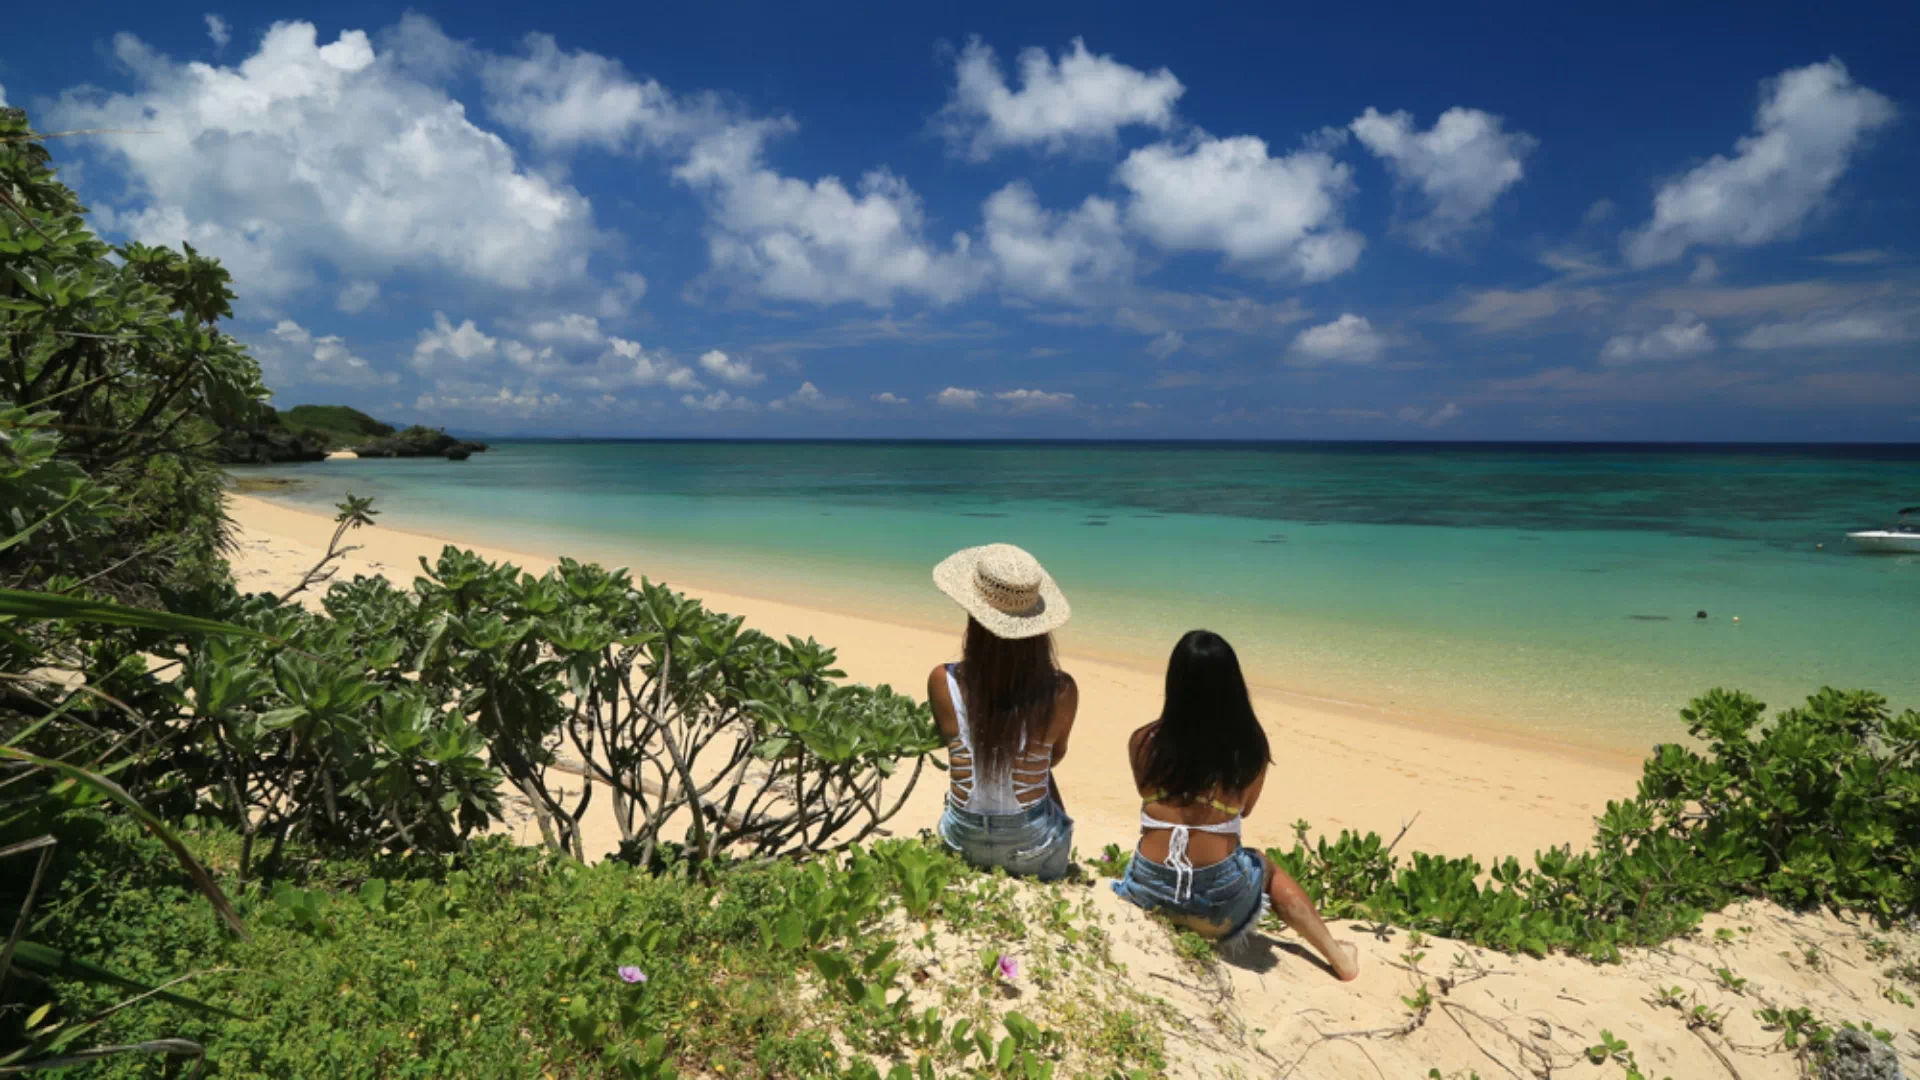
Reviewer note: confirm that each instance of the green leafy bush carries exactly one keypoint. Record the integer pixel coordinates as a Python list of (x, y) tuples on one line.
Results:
[(1819, 805), (115, 350)]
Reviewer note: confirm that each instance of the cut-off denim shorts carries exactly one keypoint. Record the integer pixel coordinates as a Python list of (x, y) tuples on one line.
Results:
[(1036, 842), (1223, 901)]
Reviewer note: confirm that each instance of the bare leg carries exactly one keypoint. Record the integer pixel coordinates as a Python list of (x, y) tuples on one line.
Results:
[(1290, 902)]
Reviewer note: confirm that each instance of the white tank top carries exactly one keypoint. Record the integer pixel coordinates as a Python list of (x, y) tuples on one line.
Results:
[(1019, 783)]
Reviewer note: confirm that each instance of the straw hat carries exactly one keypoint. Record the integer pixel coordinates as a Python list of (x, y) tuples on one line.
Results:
[(1005, 589)]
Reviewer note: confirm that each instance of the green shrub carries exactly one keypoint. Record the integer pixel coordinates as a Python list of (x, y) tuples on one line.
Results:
[(117, 350), (1821, 805)]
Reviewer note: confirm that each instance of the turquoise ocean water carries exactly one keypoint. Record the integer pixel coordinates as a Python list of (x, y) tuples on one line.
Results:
[(1542, 589)]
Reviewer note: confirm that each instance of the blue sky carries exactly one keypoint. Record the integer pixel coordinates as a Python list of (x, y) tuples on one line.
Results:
[(1331, 221)]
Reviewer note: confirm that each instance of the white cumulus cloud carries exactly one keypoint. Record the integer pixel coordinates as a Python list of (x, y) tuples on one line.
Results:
[(1349, 339), (294, 355), (822, 242), (808, 398), (728, 370), (1082, 99), (561, 98), (954, 397), (1811, 123), (305, 154), (1460, 165), (719, 401), (629, 364), (1067, 257), (1278, 216), (1035, 400), (571, 328), (888, 397), (1686, 335), (444, 341), (219, 31)]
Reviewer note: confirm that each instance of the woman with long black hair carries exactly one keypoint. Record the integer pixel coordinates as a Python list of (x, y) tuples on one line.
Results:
[(1006, 710), (1200, 769)]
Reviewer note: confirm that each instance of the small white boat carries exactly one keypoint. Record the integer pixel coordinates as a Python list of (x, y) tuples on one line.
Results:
[(1900, 538), (1887, 540)]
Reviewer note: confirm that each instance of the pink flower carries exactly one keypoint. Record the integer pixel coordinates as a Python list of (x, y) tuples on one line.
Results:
[(1009, 967), (629, 973)]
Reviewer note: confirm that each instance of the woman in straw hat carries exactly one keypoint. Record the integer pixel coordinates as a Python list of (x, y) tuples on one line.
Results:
[(1005, 710)]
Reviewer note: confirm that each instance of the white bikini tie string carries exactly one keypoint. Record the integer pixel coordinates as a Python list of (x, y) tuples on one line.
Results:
[(1182, 866)]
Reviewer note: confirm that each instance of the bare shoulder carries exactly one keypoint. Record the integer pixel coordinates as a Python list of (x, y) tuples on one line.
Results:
[(1139, 738), (1137, 747), (1064, 688)]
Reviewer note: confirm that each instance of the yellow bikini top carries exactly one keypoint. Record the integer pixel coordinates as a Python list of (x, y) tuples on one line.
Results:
[(1151, 797)]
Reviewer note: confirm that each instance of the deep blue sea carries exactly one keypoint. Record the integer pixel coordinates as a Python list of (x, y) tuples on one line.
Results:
[(1546, 589)]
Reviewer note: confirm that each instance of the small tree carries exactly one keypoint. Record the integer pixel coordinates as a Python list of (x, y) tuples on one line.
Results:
[(124, 362), (679, 713)]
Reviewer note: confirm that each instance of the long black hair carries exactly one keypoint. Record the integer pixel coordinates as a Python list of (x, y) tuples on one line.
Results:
[(1009, 687), (1207, 739)]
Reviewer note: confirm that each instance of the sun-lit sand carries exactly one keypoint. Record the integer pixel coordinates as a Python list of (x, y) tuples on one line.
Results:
[(1339, 769), (1275, 1013)]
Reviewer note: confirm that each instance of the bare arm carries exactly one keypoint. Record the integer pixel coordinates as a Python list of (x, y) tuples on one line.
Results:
[(1066, 706), (942, 703)]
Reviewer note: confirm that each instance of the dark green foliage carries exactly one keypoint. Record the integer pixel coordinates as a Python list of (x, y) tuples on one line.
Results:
[(342, 425), (116, 372), (1820, 806), (268, 442), (418, 441), (302, 433)]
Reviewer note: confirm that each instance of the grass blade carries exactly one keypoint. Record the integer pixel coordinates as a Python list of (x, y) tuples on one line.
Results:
[(49, 962), (81, 1057), (201, 879), (39, 605)]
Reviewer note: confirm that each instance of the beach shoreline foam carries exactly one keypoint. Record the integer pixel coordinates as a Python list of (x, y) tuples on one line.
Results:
[(1337, 765)]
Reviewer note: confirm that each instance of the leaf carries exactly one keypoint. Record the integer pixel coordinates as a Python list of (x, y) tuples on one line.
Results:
[(151, 1046), (790, 930), (95, 782), (39, 605)]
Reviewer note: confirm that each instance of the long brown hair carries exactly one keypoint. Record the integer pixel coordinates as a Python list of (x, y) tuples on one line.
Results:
[(1009, 688)]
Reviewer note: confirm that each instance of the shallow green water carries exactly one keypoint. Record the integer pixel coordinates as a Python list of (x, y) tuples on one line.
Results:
[(1541, 589)]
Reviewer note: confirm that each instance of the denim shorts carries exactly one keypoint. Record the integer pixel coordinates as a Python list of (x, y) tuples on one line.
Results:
[(1036, 842), (1223, 901)]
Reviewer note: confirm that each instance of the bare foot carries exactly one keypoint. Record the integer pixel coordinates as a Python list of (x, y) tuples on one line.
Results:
[(1346, 962)]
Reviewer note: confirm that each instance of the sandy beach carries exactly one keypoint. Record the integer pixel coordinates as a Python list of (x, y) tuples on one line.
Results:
[(1464, 793), (1274, 1012)]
